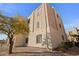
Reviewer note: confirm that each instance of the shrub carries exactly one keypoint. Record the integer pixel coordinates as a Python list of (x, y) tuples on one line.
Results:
[(64, 46), (67, 45), (77, 44)]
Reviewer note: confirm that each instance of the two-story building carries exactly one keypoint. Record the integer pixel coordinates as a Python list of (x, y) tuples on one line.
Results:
[(46, 28)]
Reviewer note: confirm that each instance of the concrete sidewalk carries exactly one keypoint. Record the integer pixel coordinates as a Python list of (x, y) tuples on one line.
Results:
[(29, 49)]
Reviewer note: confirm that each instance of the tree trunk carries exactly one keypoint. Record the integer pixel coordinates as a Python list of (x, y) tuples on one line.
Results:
[(10, 44)]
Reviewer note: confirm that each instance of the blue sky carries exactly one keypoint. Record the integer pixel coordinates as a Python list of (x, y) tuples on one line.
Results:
[(68, 12)]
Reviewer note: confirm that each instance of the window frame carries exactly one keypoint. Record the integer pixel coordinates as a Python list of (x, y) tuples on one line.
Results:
[(39, 38)]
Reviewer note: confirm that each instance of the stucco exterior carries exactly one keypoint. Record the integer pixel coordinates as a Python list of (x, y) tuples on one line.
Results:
[(19, 40), (46, 22)]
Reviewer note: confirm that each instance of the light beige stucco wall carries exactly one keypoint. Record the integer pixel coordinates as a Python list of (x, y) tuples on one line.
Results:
[(19, 40), (37, 16), (48, 25), (55, 30)]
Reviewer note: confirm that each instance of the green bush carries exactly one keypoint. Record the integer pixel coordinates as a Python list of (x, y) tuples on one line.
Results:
[(64, 46), (67, 45)]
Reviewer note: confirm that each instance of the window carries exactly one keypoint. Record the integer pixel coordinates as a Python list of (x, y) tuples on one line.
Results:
[(60, 25), (26, 40), (62, 37), (57, 16), (37, 24), (39, 38)]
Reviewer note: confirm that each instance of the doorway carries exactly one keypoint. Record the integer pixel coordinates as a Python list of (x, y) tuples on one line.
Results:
[(26, 42)]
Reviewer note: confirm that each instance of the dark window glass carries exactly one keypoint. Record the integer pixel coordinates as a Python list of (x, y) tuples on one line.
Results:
[(26, 40), (39, 38), (37, 24), (60, 25), (57, 16)]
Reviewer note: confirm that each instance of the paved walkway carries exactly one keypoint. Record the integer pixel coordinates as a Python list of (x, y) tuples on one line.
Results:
[(29, 51)]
